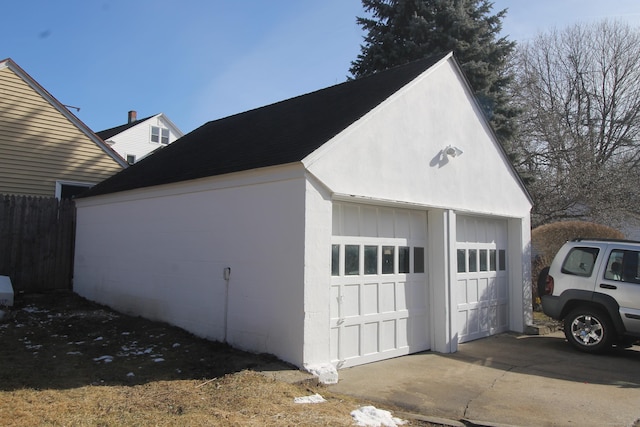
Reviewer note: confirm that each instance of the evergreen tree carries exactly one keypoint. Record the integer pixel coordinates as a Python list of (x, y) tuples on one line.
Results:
[(401, 31)]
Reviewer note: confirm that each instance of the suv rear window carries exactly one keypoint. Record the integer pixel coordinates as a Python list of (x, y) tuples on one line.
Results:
[(580, 261)]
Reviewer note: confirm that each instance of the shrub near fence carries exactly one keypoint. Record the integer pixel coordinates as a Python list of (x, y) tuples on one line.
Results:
[(36, 242)]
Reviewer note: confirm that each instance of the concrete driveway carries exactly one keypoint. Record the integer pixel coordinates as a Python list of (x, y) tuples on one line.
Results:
[(508, 379)]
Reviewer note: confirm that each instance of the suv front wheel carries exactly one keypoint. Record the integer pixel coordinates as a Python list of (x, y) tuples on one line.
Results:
[(588, 330)]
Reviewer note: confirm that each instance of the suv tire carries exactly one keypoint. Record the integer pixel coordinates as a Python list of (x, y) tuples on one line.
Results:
[(588, 330)]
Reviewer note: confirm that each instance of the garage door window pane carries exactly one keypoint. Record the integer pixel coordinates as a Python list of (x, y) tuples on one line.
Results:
[(403, 259), (335, 260), (473, 260), (352, 260), (418, 260), (370, 260), (502, 259), (388, 259), (492, 260), (483, 260), (462, 261)]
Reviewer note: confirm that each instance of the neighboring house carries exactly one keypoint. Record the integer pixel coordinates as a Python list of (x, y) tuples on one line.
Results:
[(45, 150), (138, 138), (368, 220)]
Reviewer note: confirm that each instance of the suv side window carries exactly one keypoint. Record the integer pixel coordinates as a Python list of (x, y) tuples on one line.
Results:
[(580, 261), (623, 265)]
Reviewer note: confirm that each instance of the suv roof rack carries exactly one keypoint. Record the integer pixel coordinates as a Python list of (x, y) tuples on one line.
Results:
[(604, 239)]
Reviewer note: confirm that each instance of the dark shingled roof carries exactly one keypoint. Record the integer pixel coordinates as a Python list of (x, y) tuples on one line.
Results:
[(108, 133), (276, 134)]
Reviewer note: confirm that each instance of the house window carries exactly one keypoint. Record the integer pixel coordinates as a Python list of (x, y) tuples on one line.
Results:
[(388, 260), (418, 260), (462, 261), (66, 190), (370, 260), (473, 260), (483, 260), (131, 158), (160, 135), (492, 260), (502, 260), (335, 260), (352, 260), (403, 259)]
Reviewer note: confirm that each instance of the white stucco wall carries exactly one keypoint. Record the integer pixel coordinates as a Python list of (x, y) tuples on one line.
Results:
[(161, 252), (317, 266), (394, 152)]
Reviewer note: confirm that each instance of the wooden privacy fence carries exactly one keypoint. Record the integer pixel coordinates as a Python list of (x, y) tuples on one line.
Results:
[(36, 242)]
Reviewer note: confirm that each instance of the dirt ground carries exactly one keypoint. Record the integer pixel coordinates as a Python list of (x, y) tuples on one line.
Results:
[(66, 361)]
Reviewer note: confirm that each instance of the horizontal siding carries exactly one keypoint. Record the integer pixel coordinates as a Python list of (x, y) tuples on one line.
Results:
[(39, 145)]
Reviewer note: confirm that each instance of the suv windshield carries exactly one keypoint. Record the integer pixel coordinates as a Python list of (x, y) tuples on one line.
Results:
[(580, 261)]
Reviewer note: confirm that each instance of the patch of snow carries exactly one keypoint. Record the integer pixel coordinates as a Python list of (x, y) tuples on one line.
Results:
[(326, 372), (99, 339), (105, 359), (373, 417), (126, 333), (176, 345), (158, 359), (72, 353), (316, 398), (131, 374)]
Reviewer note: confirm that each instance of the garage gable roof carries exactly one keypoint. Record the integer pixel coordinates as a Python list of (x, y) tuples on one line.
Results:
[(276, 134)]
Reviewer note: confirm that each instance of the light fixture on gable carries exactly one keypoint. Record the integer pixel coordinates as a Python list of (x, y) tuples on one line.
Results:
[(452, 151)]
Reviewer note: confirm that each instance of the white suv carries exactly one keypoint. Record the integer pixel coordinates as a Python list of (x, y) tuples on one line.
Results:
[(594, 286)]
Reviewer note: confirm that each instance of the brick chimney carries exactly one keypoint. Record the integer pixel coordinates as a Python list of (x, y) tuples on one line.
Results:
[(133, 116)]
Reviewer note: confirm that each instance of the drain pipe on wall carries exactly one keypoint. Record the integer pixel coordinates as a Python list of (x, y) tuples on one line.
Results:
[(227, 275)]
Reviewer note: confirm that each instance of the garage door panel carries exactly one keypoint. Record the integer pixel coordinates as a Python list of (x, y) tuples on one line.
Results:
[(484, 290), (402, 300), (402, 223), (334, 298), (351, 301), (387, 297), (388, 335), (501, 286), (386, 222), (370, 294), (415, 293), (334, 341), (371, 338)]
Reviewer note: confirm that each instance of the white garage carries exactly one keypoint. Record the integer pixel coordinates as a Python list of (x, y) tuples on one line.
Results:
[(345, 226)]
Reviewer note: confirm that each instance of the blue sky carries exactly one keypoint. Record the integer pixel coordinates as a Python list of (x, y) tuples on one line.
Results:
[(200, 60)]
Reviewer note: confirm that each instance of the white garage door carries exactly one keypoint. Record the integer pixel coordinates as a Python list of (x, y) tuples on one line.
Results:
[(482, 289), (378, 284)]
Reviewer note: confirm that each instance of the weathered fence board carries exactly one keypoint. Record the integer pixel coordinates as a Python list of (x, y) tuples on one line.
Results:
[(36, 242)]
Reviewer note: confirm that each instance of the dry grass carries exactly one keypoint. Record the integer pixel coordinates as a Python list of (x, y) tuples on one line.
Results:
[(243, 399), (54, 372)]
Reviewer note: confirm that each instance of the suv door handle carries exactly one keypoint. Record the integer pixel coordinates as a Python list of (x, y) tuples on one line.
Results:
[(602, 285)]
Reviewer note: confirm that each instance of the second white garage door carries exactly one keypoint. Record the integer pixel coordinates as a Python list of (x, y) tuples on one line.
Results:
[(378, 284), (482, 288)]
